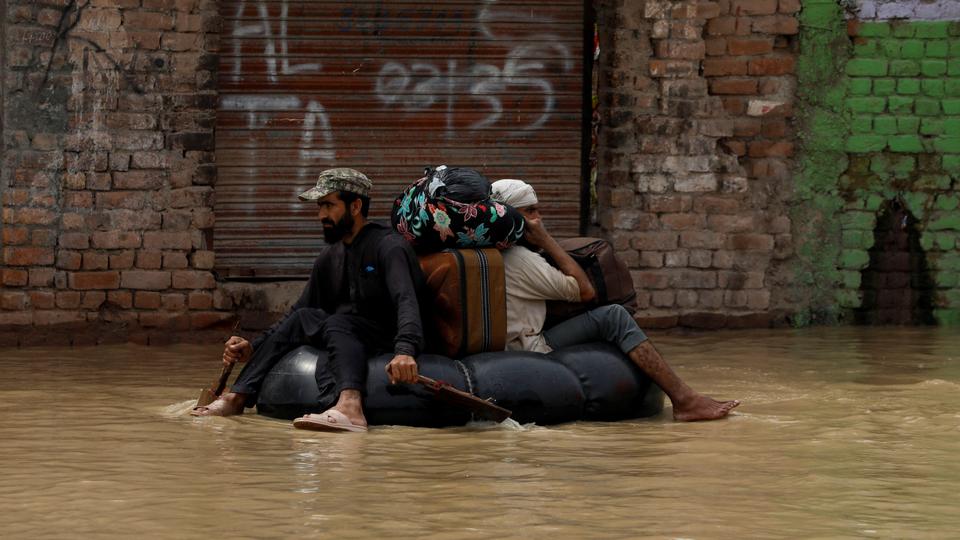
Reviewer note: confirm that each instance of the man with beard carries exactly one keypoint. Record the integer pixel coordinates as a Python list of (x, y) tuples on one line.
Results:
[(361, 299)]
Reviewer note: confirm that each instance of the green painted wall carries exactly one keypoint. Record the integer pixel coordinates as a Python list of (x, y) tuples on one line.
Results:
[(880, 117)]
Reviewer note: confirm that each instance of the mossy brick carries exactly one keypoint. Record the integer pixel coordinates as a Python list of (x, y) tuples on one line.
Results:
[(860, 86), (868, 29), (949, 297), (866, 104), (890, 48), (953, 67), (933, 182), (867, 48), (947, 144), (885, 165), (930, 163), (862, 221), (849, 298), (851, 279), (937, 49), (932, 29), (867, 67), (946, 279), (933, 88), (926, 107), (926, 241), (885, 125), (951, 106), (861, 124), (947, 317), (951, 87), (931, 126), (951, 164), (948, 222), (860, 144), (884, 87), (854, 259), (945, 240), (902, 29), (872, 203), (908, 86), (949, 261), (905, 143), (951, 126), (954, 29), (933, 68), (900, 104), (946, 202), (912, 49), (916, 203), (904, 68), (908, 124), (856, 239)]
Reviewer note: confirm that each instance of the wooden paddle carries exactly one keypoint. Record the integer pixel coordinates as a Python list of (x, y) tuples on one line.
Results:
[(449, 394), (209, 395)]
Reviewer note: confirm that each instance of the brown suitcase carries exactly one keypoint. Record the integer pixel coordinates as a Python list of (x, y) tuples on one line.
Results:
[(468, 314), (610, 277)]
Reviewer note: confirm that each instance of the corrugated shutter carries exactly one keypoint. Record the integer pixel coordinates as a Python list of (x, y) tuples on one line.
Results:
[(387, 87)]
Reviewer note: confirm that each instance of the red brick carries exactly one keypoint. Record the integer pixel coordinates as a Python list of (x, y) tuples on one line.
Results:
[(75, 240), (42, 299), (746, 127), (69, 260), (209, 319), (94, 280), (681, 222), (664, 203), (174, 260), (145, 279), (769, 86), (144, 20), (749, 47), (719, 67), (770, 149), (122, 199), (15, 235), (683, 50), (28, 256), (751, 242), (14, 278), (776, 24), (16, 318), (146, 300), (789, 6), (673, 68), (734, 106), (779, 65), (702, 240), (122, 260), (735, 147), (730, 223), (173, 302), (95, 260), (42, 276), (200, 300), (167, 240), (192, 279), (651, 279), (92, 300), (707, 10), (148, 180), (774, 128), (149, 260), (68, 299), (78, 199), (733, 86), (754, 7), (657, 241), (716, 46), (120, 299), (30, 216), (13, 300)]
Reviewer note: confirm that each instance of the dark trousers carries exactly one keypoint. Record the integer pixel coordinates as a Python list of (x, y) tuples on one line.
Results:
[(348, 339)]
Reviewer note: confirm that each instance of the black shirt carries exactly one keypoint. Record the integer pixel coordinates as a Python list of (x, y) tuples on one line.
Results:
[(377, 271)]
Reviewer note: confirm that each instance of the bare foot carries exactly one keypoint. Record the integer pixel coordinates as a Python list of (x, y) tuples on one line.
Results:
[(703, 408), (229, 404)]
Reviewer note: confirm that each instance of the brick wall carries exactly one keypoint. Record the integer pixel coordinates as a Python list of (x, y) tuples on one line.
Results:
[(695, 153), (108, 111)]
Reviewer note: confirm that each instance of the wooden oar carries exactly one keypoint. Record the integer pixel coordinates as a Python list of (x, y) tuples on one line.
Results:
[(209, 395), (481, 407)]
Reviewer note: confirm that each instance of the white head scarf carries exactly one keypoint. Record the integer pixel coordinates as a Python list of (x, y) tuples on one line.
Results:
[(515, 193)]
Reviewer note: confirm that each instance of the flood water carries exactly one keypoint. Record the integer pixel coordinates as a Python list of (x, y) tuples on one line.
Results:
[(843, 433)]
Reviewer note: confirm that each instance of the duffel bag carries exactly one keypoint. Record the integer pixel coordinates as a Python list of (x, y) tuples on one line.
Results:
[(609, 275)]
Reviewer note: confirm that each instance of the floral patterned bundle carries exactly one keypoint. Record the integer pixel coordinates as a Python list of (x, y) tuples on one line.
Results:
[(436, 222)]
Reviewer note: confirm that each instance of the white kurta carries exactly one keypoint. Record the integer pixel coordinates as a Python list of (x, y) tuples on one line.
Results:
[(530, 282)]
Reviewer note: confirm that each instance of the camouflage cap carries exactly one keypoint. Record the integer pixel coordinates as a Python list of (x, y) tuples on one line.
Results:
[(342, 179)]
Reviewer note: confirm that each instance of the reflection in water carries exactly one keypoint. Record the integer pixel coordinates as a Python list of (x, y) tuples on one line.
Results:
[(847, 432)]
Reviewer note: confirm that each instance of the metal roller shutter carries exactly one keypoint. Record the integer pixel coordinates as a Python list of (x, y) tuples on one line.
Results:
[(387, 87)]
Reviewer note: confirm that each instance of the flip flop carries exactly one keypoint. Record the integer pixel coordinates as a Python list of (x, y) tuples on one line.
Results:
[(331, 420)]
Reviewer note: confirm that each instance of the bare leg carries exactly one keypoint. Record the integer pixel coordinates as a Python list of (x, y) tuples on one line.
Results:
[(228, 404), (350, 404), (688, 404)]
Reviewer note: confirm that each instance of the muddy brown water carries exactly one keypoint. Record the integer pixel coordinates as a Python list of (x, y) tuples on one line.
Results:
[(844, 433)]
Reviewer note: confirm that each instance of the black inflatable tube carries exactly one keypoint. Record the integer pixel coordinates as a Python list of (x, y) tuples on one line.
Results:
[(586, 382)]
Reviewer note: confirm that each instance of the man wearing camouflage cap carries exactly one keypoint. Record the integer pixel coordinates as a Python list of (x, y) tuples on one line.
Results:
[(364, 268)]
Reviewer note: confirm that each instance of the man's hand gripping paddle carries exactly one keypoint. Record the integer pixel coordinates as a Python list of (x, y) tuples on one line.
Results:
[(209, 395)]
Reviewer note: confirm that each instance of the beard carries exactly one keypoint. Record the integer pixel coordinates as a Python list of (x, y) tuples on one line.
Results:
[(336, 231)]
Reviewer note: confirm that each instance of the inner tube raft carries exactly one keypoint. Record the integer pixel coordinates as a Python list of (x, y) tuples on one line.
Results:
[(585, 382)]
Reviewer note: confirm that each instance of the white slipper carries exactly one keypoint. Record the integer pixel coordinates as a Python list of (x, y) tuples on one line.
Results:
[(331, 420)]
